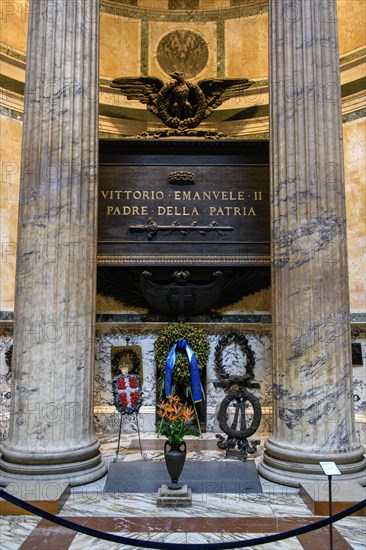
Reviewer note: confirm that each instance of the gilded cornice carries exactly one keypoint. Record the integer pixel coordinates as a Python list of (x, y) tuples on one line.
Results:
[(249, 9)]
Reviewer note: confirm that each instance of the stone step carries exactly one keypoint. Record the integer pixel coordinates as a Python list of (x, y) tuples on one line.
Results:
[(50, 496), (344, 494)]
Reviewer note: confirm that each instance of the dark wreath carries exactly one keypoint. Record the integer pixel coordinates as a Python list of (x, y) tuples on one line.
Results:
[(135, 360), (240, 397), (242, 341)]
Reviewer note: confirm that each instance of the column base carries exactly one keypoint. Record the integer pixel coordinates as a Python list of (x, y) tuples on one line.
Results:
[(76, 467), (291, 467)]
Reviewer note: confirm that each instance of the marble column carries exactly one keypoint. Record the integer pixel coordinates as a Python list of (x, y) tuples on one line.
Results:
[(51, 425), (313, 418)]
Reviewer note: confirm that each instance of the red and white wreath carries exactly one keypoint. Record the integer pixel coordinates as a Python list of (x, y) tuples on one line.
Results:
[(127, 393)]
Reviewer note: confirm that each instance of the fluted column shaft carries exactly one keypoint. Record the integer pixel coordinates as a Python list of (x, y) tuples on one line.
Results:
[(51, 430), (312, 375)]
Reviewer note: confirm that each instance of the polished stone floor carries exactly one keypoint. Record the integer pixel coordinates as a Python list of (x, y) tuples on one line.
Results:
[(213, 517)]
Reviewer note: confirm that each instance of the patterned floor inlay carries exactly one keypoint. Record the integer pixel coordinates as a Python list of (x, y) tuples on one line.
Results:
[(180, 529), (214, 517)]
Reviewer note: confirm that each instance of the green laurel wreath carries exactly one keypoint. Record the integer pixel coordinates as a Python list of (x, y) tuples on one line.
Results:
[(169, 336)]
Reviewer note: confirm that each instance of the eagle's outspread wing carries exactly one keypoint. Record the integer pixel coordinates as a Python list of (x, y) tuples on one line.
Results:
[(144, 89), (218, 90), (180, 103)]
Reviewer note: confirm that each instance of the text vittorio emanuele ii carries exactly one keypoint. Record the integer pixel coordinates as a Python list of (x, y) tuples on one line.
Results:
[(207, 203)]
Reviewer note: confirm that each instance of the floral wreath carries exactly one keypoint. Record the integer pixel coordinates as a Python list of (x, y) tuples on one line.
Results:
[(242, 341), (135, 360), (169, 336), (127, 393)]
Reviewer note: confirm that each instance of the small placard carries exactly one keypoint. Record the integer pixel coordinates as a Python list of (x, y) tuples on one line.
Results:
[(330, 468)]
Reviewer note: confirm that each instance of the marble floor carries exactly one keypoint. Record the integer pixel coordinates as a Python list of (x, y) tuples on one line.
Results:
[(213, 517)]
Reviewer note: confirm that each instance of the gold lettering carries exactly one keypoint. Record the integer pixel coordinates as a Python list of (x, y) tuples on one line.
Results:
[(257, 195), (162, 210), (231, 211), (177, 211), (118, 194), (127, 210), (209, 195)]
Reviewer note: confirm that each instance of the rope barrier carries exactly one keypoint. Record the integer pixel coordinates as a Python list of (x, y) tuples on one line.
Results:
[(176, 546)]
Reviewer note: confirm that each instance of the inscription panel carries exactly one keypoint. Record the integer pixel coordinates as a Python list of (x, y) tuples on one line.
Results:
[(202, 214)]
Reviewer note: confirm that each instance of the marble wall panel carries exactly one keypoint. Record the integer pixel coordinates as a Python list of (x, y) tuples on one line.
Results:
[(351, 15), (11, 136), (359, 385), (120, 40), (246, 47), (354, 137), (5, 385), (14, 23), (106, 418)]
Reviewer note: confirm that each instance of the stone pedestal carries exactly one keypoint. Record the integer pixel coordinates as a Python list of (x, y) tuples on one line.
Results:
[(177, 498), (313, 417), (51, 430)]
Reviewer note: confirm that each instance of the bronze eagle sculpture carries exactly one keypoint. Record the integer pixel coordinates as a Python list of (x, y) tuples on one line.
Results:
[(181, 104)]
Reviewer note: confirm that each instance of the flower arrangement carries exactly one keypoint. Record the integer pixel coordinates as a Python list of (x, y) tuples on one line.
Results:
[(127, 393), (174, 419)]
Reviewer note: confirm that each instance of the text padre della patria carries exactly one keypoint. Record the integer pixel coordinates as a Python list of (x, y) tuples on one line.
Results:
[(129, 202)]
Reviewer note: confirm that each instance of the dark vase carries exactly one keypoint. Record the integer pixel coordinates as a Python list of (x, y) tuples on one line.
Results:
[(175, 456)]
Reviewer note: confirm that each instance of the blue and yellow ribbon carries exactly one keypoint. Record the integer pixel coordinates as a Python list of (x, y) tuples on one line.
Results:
[(193, 364)]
